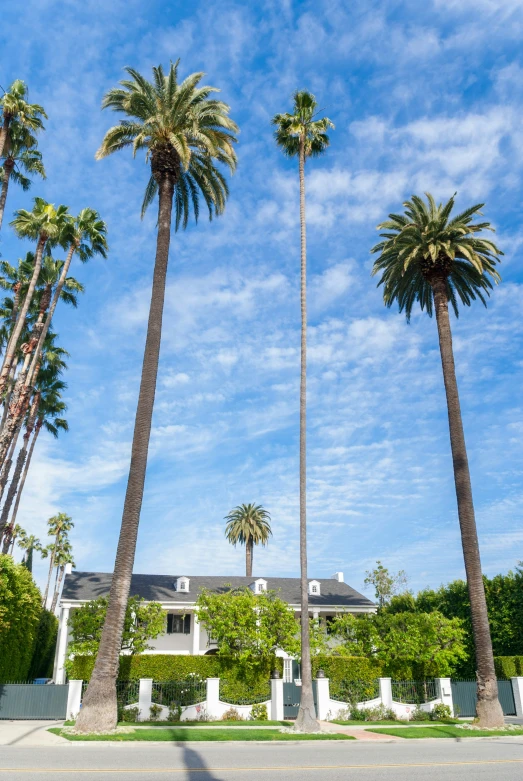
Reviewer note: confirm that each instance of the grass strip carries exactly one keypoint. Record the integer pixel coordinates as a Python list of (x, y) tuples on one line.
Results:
[(444, 731), (387, 722), (201, 724), (215, 735)]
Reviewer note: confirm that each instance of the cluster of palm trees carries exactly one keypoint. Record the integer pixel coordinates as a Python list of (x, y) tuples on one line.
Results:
[(32, 362), (425, 256)]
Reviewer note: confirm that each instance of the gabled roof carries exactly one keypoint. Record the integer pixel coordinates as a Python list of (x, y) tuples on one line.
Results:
[(160, 588)]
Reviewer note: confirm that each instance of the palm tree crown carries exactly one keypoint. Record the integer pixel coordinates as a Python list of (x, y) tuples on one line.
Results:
[(15, 106), (183, 131), (301, 127), (424, 244), (248, 522)]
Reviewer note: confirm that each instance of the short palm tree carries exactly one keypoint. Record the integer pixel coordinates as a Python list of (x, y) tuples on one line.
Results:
[(16, 110), (59, 527), (249, 525), (21, 157), (185, 133), (428, 257), (28, 543), (45, 224), (301, 135)]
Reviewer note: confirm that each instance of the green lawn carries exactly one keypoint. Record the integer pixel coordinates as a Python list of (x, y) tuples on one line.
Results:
[(182, 735), (202, 724), (386, 722), (444, 731)]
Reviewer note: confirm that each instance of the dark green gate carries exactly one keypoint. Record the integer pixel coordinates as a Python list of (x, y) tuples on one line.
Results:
[(33, 701), (464, 697), (292, 697)]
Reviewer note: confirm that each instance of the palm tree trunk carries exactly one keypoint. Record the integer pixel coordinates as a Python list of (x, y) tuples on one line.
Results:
[(8, 167), (13, 424), (31, 376), (3, 134), (51, 567), (57, 589), (8, 396), (488, 708), (26, 469), (249, 549), (306, 720), (6, 468), (11, 494), (99, 711), (17, 330)]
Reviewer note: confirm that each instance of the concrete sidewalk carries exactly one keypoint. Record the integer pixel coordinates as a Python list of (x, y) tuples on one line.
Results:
[(30, 733)]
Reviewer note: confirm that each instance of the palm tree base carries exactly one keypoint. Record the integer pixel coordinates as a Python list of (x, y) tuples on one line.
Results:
[(489, 713), (99, 710), (306, 721)]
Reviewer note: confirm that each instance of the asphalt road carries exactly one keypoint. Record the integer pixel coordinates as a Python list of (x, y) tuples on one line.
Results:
[(481, 760)]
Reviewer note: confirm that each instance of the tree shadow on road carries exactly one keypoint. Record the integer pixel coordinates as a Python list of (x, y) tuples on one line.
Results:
[(194, 761)]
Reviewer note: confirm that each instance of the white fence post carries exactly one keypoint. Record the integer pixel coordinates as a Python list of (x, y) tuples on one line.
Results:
[(445, 692), (323, 698), (213, 697), (276, 699), (386, 692), (74, 699), (517, 688), (145, 699)]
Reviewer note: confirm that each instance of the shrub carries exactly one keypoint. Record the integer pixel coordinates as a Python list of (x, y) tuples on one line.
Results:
[(130, 714), (259, 712), (378, 713), (175, 712), (441, 712), (20, 611), (231, 714), (155, 711), (419, 715)]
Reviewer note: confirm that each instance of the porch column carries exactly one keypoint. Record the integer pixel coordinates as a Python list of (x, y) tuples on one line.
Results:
[(61, 649), (195, 635)]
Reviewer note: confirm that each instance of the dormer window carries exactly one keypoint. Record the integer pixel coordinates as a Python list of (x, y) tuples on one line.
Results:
[(182, 584), (259, 586), (314, 588)]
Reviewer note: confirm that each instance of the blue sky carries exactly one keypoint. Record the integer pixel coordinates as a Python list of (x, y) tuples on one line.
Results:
[(425, 96)]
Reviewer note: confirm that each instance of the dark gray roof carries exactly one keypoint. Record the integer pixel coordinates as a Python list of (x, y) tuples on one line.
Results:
[(160, 588)]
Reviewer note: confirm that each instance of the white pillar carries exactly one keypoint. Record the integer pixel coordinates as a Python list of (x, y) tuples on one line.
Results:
[(145, 699), (323, 697), (445, 692), (59, 672), (386, 692), (276, 699), (213, 697), (74, 698), (195, 635), (517, 688), (315, 614)]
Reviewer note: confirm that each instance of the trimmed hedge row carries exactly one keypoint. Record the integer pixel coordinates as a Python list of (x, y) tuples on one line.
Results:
[(20, 612), (508, 666), (237, 683)]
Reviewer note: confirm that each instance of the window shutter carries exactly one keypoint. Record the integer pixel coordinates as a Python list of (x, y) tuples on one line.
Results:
[(187, 624), (169, 623)]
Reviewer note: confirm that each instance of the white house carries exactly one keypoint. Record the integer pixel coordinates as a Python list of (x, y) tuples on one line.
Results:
[(178, 593)]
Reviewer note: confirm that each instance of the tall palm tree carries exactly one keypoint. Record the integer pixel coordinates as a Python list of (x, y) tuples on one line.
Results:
[(59, 527), (429, 258), (17, 111), (28, 543), (21, 156), (301, 135), (86, 236), (249, 525), (45, 224), (185, 133)]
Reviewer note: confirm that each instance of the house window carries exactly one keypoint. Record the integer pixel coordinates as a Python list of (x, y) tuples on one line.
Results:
[(287, 670), (261, 587), (178, 625), (315, 589)]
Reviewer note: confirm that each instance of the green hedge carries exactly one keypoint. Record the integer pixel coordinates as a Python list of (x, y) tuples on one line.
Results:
[(237, 683), (508, 666), (44, 648), (346, 668), (20, 611)]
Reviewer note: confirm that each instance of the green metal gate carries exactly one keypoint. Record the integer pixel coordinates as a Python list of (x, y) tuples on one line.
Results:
[(292, 697), (33, 701), (464, 697)]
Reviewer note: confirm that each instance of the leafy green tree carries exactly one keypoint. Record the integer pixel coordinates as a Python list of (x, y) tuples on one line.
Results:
[(20, 610), (385, 583), (427, 642), (248, 627), (16, 111), (143, 622), (21, 157), (429, 258), (186, 135), (299, 134), (249, 525)]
